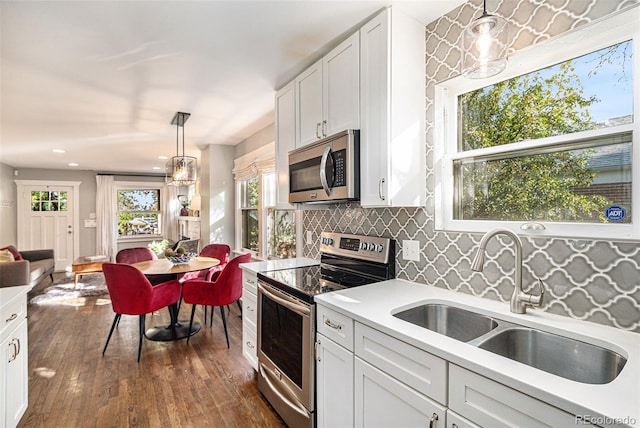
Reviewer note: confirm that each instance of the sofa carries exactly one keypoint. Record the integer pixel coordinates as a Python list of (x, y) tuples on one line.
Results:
[(28, 268)]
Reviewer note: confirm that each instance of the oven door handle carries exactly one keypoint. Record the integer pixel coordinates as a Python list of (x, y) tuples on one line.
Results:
[(293, 404), (287, 302), (326, 156)]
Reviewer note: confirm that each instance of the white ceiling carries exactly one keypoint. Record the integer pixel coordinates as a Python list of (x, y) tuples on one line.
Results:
[(102, 80)]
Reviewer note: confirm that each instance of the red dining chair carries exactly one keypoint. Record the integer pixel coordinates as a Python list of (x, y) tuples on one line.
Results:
[(221, 252), (131, 293), (135, 255), (225, 290), (141, 254)]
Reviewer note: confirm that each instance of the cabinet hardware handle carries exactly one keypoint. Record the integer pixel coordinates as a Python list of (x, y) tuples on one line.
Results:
[(250, 281), (249, 308), (318, 130), (380, 183), (433, 420), (11, 318), (324, 128), (250, 345), (454, 425), (331, 324), (315, 350)]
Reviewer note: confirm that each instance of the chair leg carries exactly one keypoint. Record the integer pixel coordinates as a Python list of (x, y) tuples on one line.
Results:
[(193, 312), (224, 323), (239, 307), (116, 320), (211, 319), (142, 323), (205, 307)]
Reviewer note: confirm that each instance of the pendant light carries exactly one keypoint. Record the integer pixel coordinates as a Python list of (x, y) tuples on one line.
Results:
[(485, 46), (181, 170)]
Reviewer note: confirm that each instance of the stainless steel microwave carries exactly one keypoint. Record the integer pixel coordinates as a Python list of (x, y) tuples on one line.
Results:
[(327, 170)]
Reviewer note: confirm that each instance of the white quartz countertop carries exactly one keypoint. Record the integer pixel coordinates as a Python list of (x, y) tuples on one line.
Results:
[(267, 265), (617, 403)]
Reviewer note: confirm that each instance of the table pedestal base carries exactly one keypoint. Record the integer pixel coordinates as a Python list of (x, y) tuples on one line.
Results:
[(177, 331)]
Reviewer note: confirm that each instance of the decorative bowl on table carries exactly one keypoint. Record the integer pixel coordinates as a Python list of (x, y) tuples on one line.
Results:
[(181, 259)]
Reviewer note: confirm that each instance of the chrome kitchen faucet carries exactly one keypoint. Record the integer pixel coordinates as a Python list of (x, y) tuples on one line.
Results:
[(519, 299)]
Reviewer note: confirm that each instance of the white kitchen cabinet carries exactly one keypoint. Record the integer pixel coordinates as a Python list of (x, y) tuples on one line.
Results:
[(489, 403), (334, 385), (327, 94), (249, 317), (285, 129), (14, 374), (382, 401), (392, 85), (454, 420), (414, 367)]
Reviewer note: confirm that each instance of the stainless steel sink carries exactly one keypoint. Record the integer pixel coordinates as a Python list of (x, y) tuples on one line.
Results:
[(453, 322), (562, 356)]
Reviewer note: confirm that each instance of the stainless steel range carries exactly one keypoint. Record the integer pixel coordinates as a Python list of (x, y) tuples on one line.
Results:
[(286, 317)]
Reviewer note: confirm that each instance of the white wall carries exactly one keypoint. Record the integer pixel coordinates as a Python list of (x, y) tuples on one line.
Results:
[(8, 220), (218, 195)]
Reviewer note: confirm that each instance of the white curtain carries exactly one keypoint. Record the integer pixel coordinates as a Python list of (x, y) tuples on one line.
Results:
[(107, 215), (170, 212)]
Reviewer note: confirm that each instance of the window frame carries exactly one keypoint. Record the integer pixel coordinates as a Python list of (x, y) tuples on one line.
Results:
[(585, 39), (141, 185)]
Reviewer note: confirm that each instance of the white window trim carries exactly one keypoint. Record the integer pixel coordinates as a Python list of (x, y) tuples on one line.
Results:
[(586, 39), (133, 185)]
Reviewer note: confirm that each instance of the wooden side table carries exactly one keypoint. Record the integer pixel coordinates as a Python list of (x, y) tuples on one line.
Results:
[(82, 266)]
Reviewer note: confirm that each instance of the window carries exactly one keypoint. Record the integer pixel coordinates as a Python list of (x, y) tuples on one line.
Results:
[(260, 226), (552, 146), (249, 202), (138, 212), (48, 201)]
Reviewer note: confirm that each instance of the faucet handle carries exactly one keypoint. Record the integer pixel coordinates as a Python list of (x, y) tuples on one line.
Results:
[(532, 300)]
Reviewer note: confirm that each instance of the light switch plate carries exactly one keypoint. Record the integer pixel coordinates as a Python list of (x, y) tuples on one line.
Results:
[(411, 250), (309, 236)]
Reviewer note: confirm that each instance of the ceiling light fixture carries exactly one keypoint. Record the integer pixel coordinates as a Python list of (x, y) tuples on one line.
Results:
[(485, 46), (181, 170)]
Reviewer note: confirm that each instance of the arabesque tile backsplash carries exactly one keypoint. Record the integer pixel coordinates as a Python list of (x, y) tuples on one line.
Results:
[(597, 281)]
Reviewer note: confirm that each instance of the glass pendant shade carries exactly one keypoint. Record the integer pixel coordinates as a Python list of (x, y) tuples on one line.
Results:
[(485, 44), (181, 170)]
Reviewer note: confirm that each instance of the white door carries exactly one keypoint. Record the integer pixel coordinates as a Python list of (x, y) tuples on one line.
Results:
[(47, 218)]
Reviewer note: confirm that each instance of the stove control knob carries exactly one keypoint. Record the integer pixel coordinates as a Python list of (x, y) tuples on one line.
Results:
[(379, 248), (329, 241), (370, 246), (363, 246)]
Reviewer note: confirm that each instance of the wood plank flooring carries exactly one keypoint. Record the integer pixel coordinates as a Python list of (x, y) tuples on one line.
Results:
[(175, 385)]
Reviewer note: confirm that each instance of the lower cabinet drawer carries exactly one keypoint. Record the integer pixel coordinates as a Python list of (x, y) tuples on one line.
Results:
[(418, 369), (491, 404), (12, 313), (382, 401), (335, 326), (454, 420), (249, 308), (250, 345)]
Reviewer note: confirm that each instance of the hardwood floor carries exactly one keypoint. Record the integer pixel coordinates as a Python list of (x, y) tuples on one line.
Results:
[(175, 385)]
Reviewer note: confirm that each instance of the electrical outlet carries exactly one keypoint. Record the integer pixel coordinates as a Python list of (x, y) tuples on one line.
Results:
[(309, 236), (411, 250)]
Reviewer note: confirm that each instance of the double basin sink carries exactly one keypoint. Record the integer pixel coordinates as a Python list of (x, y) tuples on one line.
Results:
[(559, 355)]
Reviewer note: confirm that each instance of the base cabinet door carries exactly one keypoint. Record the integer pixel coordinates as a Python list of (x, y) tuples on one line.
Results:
[(491, 404), (382, 401), (334, 384), (14, 374)]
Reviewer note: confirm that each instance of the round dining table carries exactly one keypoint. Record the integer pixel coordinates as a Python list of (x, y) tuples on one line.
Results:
[(177, 329)]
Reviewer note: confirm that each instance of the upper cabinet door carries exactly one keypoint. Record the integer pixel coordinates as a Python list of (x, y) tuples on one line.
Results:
[(341, 88), (392, 85), (308, 88), (285, 130)]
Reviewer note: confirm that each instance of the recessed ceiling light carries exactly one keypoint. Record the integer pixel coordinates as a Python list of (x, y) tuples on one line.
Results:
[(73, 164), (58, 151), (156, 167), (163, 157)]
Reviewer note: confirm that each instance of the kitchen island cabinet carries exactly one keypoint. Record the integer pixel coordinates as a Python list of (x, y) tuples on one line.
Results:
[(392, 82), (14, 371)]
